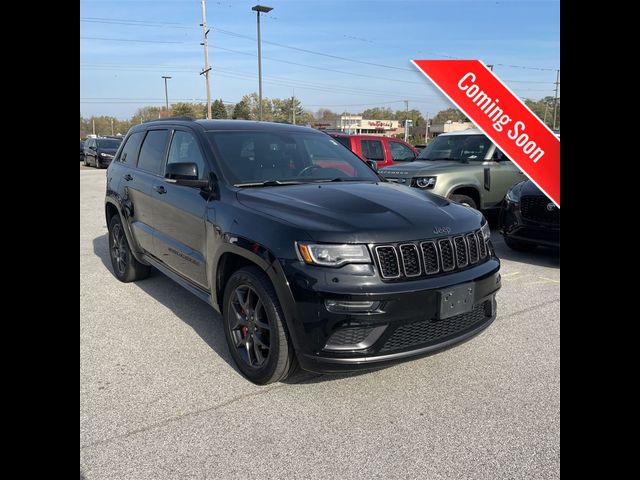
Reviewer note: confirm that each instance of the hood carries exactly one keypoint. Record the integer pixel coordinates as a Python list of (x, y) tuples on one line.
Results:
[(428, 167), (361, 212), (529, 189)]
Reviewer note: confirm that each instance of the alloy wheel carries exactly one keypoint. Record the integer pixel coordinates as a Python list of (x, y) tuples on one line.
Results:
[(249, 326), (119, 252)]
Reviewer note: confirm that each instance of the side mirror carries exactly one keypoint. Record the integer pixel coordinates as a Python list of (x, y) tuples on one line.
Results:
[(184, 174), (93, 147), (373, 164)]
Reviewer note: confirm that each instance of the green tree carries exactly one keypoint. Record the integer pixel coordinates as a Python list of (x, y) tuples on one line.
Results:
[(544, 110), (378, 113), (184, 109), (283, 109), (453, 114), (325, 115), (267, 107), (218, 110), (241, 110)]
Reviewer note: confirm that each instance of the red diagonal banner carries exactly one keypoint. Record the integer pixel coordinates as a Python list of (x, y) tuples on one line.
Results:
[(500, 114)]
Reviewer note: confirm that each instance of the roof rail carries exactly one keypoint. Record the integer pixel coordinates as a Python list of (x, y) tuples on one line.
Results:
[(188, 119)]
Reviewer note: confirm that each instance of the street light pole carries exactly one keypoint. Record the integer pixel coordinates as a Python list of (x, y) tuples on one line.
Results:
[(166, 94), (258, 9)]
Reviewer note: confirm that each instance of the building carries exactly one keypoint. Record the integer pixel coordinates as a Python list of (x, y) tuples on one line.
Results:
[(356, 125), (437, 128)]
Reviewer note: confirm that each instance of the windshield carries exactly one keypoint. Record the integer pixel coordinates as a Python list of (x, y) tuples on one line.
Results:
[(108, 143), (253, 157), (457, 147)]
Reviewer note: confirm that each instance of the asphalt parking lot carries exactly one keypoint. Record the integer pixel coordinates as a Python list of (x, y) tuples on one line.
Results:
[(160, 399)]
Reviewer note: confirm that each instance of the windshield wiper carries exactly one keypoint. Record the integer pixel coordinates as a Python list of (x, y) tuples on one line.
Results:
[(266, 183), (337, 179)]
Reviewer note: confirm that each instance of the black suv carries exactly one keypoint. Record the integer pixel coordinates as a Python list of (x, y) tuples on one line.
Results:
[(100, 151), (309, 255)]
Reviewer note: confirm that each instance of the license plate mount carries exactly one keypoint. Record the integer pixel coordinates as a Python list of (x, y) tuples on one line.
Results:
[(456, 300)]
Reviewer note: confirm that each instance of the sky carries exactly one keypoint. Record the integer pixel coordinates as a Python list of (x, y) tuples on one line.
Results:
[(126, 46)]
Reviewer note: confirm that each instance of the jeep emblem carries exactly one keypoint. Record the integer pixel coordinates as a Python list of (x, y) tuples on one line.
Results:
[(550, 206), (438, 230)]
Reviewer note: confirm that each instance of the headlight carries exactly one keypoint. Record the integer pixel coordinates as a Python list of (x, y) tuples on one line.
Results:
[(425, 182), (486, 232), (513, 195), (331, 255), (106, 155)]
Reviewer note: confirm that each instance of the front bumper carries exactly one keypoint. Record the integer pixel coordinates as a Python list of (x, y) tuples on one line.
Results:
[(403, 327), (514, 225)]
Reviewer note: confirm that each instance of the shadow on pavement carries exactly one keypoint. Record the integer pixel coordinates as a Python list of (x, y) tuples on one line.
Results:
[(541, 256), (201, 317)]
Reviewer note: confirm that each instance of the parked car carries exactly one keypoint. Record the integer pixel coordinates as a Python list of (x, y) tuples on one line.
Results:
[(334, 269), (100, 151), (384, 151), (464, 166), (529, 218), (420, 147), (81, 151)]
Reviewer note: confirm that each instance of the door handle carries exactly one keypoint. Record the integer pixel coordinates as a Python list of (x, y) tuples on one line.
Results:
[(128, 177), (160, 189)]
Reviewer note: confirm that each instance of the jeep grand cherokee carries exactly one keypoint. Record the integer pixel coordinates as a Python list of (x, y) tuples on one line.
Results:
[(311, 258)]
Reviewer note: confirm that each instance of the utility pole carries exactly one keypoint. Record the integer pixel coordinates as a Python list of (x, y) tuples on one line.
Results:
[(546, 107), (258, 9), (426, 131), (555, 100), (93, 122), (166, 93), (293, 106), (207, 68), (112, 128), (406, 121)]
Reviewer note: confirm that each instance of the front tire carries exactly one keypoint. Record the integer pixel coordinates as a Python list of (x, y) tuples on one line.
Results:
[(255, 328), (84, 160), (125, 267), (464, 200), (98, 163)]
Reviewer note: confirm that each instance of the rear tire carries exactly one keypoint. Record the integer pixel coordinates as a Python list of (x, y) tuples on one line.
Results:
[(255, 329), (98, 163), (125, 267), (464, 200), (84, 160), (519, 246)]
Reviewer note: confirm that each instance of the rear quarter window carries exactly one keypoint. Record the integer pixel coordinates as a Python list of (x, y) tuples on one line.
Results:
[(131, 149)]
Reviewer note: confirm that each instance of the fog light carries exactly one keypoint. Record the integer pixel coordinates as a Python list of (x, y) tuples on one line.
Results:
[(345, 306)]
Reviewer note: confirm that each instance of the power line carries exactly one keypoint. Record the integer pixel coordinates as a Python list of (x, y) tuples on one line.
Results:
[(148, 23), (126, 40)]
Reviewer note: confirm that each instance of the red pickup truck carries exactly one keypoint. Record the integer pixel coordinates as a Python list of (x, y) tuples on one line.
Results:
[(383, 150)]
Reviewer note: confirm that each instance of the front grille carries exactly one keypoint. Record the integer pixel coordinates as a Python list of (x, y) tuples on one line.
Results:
[(446, 254), (430, 257), (349, 336), (388, 260), (410, 260), (538, 209), (425, 332), (419, 259), (472, 242), (462, 258)]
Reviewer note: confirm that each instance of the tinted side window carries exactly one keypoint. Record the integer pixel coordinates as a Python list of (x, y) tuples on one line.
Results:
[(346, 141), (372, 149), (400, 152), (129, 153), (152, 152), (184, 149)]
